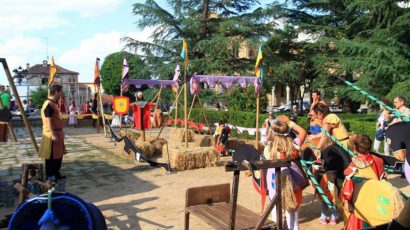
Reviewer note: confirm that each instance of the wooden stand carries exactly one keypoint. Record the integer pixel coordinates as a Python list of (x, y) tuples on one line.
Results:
[(217, 207)]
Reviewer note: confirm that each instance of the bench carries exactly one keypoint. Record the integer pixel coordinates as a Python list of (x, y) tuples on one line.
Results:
[(217, 204)]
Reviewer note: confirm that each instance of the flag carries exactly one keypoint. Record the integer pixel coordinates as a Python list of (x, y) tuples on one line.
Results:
[(121, 105), (175, 86), (184, 54), (124, 75), (177, 72), (124, 69), (258, 65), (97, 73), (259, 71), (53, 70)]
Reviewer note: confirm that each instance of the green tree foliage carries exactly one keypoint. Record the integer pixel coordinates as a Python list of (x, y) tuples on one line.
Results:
[(400, 89), (111, 71), (365, 41), (213, 29), (38, 96)]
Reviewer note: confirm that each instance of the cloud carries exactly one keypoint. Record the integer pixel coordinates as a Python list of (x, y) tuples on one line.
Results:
[(21, 15), (82, 58)]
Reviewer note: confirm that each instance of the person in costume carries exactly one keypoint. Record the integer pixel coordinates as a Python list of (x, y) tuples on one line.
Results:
[(61, 104), (313, 120), (334, 125), (52, 146), (365, 166), (72, 120), (281, 145), (398, 136), (331, 123)]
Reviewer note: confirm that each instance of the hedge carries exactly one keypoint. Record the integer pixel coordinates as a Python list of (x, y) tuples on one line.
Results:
[(357, 123)]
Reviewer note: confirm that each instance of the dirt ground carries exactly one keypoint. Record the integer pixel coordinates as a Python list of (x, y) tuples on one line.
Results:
[(132, 195)]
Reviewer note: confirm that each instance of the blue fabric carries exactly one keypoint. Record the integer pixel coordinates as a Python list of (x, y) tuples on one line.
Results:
[(314, 129)]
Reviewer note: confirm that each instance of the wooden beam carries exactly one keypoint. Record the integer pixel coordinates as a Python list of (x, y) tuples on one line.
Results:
[(18, 101)]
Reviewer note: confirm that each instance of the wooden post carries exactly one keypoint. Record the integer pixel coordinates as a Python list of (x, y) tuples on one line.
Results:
[(102, 114), (278, 185), (234, 199), (23, 113), (192, 105), (176, 105), (203, 112), (186, 109), (257, 123)]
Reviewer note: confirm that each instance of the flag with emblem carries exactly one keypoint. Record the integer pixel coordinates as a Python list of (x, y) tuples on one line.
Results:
[(121, 105)]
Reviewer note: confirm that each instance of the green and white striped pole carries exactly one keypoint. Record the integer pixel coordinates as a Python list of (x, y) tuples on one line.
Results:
[(394, 111), (350, 152)]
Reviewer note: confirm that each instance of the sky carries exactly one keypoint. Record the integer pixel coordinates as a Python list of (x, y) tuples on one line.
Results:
[(74, 32)]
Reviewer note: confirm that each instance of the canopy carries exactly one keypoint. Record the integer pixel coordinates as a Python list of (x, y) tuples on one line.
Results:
[(227, 81), (150, 83)]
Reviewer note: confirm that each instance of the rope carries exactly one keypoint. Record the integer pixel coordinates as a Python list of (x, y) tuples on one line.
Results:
[(394, 111)]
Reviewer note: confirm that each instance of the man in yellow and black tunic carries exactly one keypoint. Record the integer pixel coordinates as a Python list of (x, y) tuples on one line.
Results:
[(52, 143)]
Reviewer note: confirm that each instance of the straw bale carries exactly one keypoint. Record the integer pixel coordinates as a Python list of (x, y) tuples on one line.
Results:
[(119, 149), (146, 148), (157, 146), (204, 140), (132, 134), (182, 158), (178, 134)]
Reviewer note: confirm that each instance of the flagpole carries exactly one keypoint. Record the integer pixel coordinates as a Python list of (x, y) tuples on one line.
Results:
[(258, 89), (257, 122), (186, 109), (102, 113)]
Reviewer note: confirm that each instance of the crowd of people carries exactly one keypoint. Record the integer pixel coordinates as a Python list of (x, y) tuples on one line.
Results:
[(285, 139)]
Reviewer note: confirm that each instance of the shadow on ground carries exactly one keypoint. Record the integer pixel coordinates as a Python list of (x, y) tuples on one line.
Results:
[(110, 188)]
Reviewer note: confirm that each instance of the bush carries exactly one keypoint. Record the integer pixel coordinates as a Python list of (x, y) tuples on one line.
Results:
[(357, 123)]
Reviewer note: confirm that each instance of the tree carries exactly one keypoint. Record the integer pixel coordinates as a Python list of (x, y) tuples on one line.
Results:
[(213, 29), (363, 41), (39, 96), (400, 89), (111, 71)]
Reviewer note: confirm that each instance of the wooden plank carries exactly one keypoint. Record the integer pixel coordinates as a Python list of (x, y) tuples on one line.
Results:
[(217, 216), (207, 194), (234, 199), (265, 164)]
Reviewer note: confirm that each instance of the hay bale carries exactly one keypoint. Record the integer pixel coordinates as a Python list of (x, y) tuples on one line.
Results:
[(204, 140), (157, 145), (182, 158), (133, 134), (119, 149), (178, 134), (146, 148)]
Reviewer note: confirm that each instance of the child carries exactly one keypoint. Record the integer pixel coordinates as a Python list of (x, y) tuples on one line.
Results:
[(281, 145)]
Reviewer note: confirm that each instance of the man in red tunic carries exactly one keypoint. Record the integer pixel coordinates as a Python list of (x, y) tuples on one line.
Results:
[(142, 112)]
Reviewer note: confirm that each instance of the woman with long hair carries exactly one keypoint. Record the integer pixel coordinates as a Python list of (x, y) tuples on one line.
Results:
[(281, 145)]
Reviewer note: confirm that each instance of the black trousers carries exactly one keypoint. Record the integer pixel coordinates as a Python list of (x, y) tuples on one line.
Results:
[(53, 167)]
